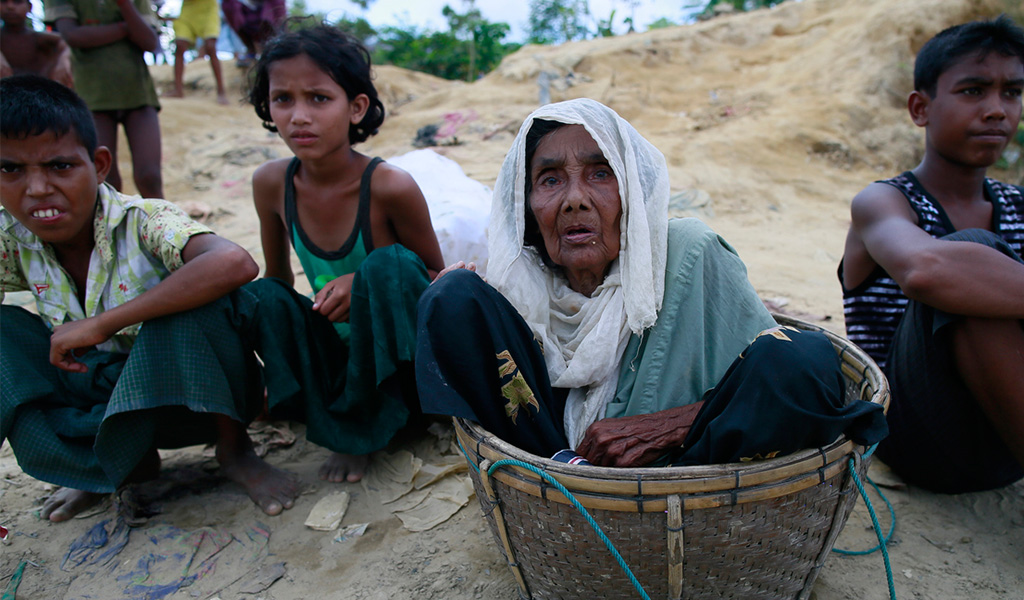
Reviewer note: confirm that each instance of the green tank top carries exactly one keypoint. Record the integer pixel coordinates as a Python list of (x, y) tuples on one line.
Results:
[(321, 266)]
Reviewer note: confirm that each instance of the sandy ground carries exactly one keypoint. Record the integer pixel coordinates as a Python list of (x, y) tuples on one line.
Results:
[(770, 121)]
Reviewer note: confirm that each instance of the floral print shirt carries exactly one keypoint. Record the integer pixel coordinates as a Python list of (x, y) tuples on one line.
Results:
[(138, 242)]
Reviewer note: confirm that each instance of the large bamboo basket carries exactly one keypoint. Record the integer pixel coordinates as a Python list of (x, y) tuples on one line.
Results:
[(744, 530)]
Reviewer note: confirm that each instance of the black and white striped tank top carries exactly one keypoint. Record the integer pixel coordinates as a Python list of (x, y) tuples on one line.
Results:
[(874, 308)]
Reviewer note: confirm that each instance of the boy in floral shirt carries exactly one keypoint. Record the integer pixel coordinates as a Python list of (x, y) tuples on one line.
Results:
[(142, 338)]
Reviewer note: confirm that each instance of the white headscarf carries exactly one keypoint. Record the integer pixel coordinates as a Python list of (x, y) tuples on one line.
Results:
[(583, 338)]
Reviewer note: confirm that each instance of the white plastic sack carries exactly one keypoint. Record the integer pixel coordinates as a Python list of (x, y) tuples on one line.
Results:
[(459, 206)]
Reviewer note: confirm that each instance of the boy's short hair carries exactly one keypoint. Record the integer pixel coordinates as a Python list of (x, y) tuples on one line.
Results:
[(31, 105), (339, 55), (950, 45)]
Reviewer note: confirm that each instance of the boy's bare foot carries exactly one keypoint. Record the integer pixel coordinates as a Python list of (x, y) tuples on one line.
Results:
[(222, 100), (344, 467), (272, 489), (65, 503), (173, 94)]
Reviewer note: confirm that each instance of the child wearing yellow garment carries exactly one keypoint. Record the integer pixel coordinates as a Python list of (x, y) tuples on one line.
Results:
[(199, 19)]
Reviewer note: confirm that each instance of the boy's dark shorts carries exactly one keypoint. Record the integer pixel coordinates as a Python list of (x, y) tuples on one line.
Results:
[(939, 438)]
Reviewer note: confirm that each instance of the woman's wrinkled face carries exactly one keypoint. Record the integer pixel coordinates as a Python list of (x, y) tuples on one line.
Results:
[(575, 200)]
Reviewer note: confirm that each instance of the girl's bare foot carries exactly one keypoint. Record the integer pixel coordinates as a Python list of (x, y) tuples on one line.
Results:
[(65, 503), (344, 467)]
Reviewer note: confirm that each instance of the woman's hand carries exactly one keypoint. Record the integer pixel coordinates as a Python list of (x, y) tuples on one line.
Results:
[(639, 440), (334, 299), (459, 265)]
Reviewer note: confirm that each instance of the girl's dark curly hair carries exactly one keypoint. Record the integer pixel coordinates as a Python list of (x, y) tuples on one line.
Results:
[(339, 55)]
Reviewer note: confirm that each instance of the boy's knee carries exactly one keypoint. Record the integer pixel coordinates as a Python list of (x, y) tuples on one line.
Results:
[(272, 292), (15, 317), (267, 287), (18, 322), (983, 237)]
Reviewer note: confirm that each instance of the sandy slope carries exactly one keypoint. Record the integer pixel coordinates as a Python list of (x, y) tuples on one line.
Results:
[(772, 121)]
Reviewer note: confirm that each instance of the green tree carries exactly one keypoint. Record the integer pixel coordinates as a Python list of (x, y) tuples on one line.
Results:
[(409, 47), (464, 28), (557, 21), (299, 9), (604, 26), (358, 28), (662, 23), (472, 45)]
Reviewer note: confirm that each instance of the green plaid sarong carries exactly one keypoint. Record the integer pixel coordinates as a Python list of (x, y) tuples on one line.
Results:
[(369, 382), (89, 431)]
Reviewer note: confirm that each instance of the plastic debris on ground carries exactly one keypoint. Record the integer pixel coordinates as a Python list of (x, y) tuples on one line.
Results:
[(350, 532)]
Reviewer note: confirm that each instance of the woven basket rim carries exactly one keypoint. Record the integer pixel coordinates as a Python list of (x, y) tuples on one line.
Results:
[(777, 470)]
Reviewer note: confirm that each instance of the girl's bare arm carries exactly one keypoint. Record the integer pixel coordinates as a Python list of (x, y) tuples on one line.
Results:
[(408, 215), (268, 196)]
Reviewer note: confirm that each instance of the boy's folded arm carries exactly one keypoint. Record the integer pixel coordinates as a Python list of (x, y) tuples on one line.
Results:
[(213, 267), (90, 36), (956, 277), (140, 31), (134, 27)]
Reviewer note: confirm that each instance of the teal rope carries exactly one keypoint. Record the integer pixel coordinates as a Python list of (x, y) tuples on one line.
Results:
[(597, 528), (882, 541), (471, 462), (892, 524)]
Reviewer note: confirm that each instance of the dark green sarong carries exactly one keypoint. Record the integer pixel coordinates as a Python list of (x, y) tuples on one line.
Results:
[(89, 431)]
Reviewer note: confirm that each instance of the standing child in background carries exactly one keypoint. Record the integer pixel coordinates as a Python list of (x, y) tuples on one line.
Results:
[(932, 276), (198, 19), (23, 50), (108, 41), (255, 21), (360, 227)]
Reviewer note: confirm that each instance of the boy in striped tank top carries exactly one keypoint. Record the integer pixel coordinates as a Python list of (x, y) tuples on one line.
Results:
[(932, 276)]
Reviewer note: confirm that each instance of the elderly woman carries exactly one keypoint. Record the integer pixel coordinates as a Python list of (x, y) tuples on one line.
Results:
[(607, 329)]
